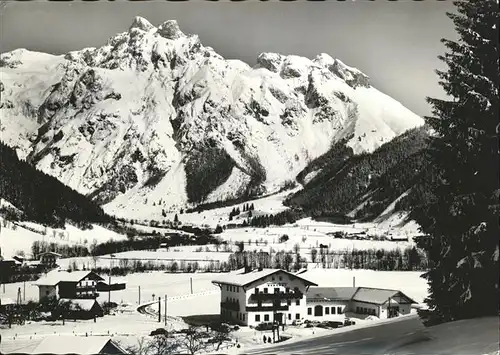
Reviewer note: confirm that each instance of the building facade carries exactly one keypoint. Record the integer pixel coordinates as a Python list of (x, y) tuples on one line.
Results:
[(70, 285), (261, 296), (274, 295), (337, 303), (49, 259)]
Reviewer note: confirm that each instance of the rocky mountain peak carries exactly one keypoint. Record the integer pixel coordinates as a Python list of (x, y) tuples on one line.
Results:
[(170, 30), (141, 23), (153, 112)]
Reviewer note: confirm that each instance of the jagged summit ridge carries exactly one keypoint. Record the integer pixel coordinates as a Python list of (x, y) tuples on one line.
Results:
[(142, 24), (153, 112)]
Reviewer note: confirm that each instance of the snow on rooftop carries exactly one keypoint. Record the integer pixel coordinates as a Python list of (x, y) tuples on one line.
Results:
[(242, 279), (335, 293), (376, 295), (52, 278), (72, 345), (83, 304)]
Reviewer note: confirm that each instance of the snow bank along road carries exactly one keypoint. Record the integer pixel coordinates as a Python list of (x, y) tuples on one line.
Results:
[(406, 335)]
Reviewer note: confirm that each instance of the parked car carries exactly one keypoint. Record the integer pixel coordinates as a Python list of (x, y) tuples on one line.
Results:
[(298, 322)]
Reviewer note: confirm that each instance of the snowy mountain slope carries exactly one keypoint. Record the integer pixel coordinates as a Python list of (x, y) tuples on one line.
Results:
[(154, 117)]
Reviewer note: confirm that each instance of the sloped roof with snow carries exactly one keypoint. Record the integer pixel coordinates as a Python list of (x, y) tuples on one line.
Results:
[(72, 345), (82, 304), (331, 293), (378, 296), (243, 279), (52, 278)]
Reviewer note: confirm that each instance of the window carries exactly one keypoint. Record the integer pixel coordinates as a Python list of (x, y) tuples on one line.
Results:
[(289, 316), (296, 289), (281, 279), (288, 290), (297, 316), (333, 310), (46, 293), (327, 310), (272, 278), (318, 311), (256, 290), (289, 302), (339, 310), (309, 311), (276, 290), (266, 317), (297, 302), (265, 289), (257, 317), (243, 316), (227, 287)]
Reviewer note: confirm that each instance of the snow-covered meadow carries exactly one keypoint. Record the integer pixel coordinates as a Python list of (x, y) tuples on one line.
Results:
[(19, 236)]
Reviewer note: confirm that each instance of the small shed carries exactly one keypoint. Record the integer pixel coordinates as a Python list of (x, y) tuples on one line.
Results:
[(83, 308)]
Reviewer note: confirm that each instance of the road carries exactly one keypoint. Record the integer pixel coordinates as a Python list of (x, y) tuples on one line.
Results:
[(377, 339)]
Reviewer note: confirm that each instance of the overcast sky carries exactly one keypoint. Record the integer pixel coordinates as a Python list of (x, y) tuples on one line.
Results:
[(395, 43)]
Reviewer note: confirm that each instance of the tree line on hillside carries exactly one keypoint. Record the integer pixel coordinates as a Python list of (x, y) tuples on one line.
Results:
[(246, 208), (207, 168), (377, 179), (409, 259), (41, 197), (279, 219)]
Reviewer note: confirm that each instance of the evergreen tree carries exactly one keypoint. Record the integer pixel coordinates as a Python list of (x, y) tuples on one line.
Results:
[(461, 223)]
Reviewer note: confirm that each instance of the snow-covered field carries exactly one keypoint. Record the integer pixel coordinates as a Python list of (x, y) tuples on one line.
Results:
[(127, 325), (21, 235)]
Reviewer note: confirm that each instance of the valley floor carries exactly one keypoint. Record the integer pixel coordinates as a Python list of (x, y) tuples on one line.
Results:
[(128, 325)]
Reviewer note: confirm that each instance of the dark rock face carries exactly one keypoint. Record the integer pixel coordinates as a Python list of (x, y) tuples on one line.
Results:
[(170, 29)]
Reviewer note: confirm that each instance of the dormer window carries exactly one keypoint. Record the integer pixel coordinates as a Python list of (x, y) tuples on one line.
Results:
[(256, 290)]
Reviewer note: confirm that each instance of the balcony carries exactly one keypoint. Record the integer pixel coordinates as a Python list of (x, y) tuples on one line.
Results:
[(87, 296), (83, 288), (232, 306), (277, 296), (266, 308)]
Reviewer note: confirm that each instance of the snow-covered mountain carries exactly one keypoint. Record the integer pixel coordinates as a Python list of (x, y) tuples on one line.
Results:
[(153, 117)]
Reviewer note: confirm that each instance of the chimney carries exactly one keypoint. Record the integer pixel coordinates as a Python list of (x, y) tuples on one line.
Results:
[(247, 269), (354, 281)]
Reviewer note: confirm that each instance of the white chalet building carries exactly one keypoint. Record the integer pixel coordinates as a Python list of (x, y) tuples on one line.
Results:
[(263, 296), (269, 295)]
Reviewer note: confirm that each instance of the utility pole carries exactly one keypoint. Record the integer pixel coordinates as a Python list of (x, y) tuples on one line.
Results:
[(159, 309), (165, 311), (191, 282), (24, 292)]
